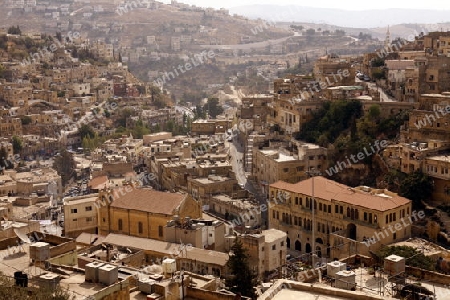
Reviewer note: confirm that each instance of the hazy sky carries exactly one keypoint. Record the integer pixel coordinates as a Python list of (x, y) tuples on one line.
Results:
[(343, 4)]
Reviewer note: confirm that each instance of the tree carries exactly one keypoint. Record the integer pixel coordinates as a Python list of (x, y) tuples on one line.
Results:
[(9, 291), (65, 165), (242, 279), (3, 158), (213, 107), (414, 257), (417, 186), (14, 30), (59, 36), (310, 31), (17, 144), (86, 131), (25, 120)]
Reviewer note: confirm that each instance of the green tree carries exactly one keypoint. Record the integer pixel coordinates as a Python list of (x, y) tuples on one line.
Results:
[(25, 120), (417, 187), (3, 158), (86, 131), (213, 107), (242, 279), (17, 144), (65, 165), (310, 31), (413, 256), (14, 30), (8, 291)]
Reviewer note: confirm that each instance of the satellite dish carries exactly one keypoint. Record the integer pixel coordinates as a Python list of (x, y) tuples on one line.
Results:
[(23, 237)]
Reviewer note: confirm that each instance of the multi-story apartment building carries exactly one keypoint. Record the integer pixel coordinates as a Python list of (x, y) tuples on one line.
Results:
[(273, 164), (267, 251), (337, 219), (80, 215), (334, 71), (210, 127)]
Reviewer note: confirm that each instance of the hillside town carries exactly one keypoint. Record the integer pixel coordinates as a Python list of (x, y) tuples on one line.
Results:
[(331, 184)]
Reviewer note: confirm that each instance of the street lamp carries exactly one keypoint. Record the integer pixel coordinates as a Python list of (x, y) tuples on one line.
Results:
[(312, 173), (182, 284)]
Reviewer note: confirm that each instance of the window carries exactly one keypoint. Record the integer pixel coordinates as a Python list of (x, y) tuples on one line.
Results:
[(73, 210), (160, 231), (273, 214), (341, 210), (296, 200), (365, 216), (104, 220), (88, 208), (140, 227), (274, 247), (89, 219), (387, 219), (285, 170), (336, 209), (120, 225), (320, 206), (282, 244), (394, 236), (75, 220)]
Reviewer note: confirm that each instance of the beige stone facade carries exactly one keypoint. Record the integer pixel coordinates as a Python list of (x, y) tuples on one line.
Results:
[(340, 213)]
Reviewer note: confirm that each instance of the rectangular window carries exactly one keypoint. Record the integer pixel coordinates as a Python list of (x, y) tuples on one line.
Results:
[(120, 224), (88, 208), (160, 231), (73, 210), (140, 227), (296, 200), (320, 206), (329, 209), (274, 247), (341, 210), (89, 219), (336, 209), (365, 216)]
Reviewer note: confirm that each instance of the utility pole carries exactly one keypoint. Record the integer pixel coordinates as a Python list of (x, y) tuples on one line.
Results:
[(312, 173)]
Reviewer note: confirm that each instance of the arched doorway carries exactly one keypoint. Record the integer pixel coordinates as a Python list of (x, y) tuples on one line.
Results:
[(298, 245), (288, 243), (351, 231), (308, 248)]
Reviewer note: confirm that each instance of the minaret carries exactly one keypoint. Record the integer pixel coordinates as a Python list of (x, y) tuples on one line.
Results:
[(387, 41)]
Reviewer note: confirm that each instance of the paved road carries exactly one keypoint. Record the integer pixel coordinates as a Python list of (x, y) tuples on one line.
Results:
[(247, 46), (236, 152)]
